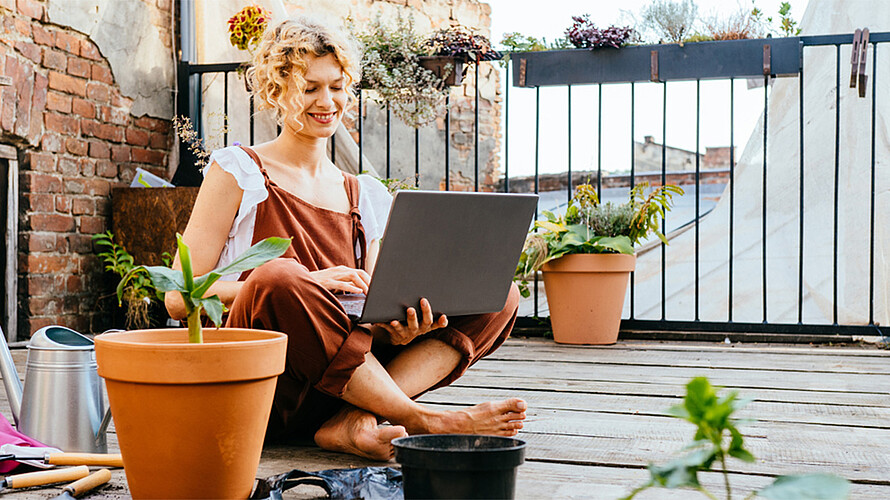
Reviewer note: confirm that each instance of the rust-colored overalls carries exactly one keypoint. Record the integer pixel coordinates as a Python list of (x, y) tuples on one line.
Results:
[(324, 346)]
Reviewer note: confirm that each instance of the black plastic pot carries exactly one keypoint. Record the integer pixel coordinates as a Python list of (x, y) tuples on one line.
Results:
[(459, 465)]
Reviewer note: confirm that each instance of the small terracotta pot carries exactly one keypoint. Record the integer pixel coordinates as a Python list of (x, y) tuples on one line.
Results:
[(191, 418), (585, 293)]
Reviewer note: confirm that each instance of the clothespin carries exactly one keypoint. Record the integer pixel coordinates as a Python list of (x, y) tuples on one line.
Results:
[(863, 78), (858, 58), (854, 57)]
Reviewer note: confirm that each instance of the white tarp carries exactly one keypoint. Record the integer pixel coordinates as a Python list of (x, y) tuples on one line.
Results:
[(783, 198)]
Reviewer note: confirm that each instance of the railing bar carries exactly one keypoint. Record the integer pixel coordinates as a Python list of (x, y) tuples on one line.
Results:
[(334, 148), (252, 132), (416, 157), (388, 148), (569, 173), (199, 114), (599, 141), (801, 123), (360, 134), (632, 162), (763, 199), (663, 181), (506, 129), (837, 158), (476, 129), (537, 148), (225, 108), (731, 188), (697, 188), (447, 140), (871, 250)]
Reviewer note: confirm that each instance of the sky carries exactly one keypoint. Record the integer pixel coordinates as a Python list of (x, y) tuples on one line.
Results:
[(528, 18)]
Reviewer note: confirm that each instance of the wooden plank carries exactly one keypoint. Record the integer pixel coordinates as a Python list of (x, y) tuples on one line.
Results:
[(845, 382), (840, 415), (635, 440), (678, 389), (750, 360), (660, 345)]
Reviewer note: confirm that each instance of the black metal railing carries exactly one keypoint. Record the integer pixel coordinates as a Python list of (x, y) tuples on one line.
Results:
[(191, 76)]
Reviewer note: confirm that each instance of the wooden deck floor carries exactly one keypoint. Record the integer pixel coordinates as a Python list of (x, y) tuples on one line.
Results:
[(597, 416)]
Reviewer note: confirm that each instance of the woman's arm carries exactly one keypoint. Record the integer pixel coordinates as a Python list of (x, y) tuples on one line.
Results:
[(208, 227)]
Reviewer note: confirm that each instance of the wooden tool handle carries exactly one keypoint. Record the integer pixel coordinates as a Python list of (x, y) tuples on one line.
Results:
[(47, 477), (107, 460), (84, 485)]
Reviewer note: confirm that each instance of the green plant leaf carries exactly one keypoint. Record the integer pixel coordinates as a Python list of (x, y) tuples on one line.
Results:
[(682, 472), (620, 244), (164, 278), (255, 256), (700, 396), (807, 487), (214, 307), (185, 260)]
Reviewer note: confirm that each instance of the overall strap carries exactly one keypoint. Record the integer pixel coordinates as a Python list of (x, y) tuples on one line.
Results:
[(358, 231)]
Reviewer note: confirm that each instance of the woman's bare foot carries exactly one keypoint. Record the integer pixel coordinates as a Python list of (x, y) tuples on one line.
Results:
[(497, 418), (356, 432)]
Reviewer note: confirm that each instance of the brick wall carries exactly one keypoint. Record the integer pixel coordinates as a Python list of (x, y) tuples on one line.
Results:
[(76, 140)]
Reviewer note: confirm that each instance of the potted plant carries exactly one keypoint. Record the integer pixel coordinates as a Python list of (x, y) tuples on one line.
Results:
[(451, 48), (391, 69), (144, 304), (190, 407), (596, 60), (586, 257), (716, 440)]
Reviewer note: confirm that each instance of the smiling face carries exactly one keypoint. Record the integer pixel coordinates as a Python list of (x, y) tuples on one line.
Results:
[(324, 99)]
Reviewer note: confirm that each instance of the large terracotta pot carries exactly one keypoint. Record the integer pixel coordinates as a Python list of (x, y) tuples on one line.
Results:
[(191, 418), (585, 293)]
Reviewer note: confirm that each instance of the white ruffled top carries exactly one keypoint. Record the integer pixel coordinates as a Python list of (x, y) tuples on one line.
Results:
[(373, 203)]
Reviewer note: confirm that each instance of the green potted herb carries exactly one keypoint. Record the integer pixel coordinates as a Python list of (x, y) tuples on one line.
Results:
[(586, 257), (717, 440), (191, 406)]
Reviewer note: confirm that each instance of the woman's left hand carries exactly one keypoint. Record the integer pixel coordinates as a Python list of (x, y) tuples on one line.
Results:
[(403, 333)]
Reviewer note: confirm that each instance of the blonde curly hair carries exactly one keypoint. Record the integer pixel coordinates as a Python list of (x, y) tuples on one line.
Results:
[(277, 76)]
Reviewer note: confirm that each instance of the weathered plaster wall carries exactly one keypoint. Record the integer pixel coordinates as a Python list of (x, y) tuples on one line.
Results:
[(214, 46), (135, 38), (77, 136)]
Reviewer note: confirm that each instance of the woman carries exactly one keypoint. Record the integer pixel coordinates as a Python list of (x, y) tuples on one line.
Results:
[(340, 378)]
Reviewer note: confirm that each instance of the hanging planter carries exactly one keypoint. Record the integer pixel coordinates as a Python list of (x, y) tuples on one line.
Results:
[(449, 69)]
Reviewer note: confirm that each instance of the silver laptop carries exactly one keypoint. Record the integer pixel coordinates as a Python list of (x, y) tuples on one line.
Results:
[(458, 250)]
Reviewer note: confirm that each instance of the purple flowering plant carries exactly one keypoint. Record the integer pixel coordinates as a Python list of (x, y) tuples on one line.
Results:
[(584, 35)]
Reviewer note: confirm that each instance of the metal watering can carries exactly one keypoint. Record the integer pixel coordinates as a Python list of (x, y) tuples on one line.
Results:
[(63, 400)]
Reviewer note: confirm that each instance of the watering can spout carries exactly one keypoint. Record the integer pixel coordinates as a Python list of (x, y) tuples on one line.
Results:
[(10, 379)]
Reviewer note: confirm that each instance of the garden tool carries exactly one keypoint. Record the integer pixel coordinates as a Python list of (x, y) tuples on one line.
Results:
[(63, 400), (96, 459), (81, 486), (44, 477)]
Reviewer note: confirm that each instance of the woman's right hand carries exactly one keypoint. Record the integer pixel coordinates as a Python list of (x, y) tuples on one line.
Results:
[(343, 279)]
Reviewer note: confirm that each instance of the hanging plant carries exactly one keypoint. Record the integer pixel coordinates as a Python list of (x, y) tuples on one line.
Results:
[(247, 27), (391, 68)]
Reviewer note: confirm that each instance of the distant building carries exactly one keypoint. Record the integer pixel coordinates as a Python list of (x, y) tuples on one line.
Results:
[(647, 157)]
